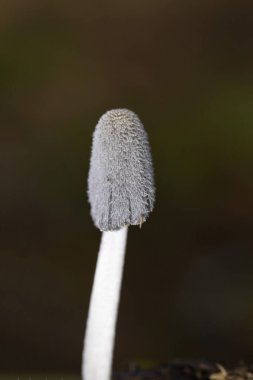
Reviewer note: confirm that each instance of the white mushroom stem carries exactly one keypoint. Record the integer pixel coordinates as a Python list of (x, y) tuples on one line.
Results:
[(103, 309)]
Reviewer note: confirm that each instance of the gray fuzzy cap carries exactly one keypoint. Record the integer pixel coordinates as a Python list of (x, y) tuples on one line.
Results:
[(121, 183)]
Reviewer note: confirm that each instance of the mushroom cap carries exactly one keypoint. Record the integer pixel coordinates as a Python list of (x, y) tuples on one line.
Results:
[(121, 187)]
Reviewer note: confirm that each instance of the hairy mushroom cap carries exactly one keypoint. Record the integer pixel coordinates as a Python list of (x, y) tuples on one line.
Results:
[(121, 183)]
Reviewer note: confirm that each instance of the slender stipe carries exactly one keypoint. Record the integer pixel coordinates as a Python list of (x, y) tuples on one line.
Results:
[(100, 332)]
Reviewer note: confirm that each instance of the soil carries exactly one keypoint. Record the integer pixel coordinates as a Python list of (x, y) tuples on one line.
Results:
[(186, 370)]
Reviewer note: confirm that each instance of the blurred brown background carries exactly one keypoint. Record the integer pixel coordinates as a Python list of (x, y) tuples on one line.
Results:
[(185, 66)]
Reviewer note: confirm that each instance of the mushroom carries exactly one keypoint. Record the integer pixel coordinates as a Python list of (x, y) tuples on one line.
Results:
[(121, 192)]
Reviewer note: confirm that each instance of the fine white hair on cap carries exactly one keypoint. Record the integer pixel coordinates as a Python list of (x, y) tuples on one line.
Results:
[(121, 183)]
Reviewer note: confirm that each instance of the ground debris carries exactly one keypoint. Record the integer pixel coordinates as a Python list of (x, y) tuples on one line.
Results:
[(241, 372), (186, 370)]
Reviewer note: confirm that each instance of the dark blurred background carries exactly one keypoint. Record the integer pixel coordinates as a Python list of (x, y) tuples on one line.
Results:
[(186, 68)]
